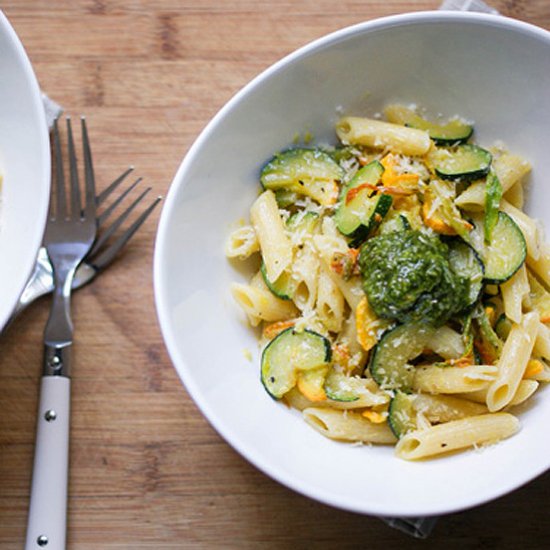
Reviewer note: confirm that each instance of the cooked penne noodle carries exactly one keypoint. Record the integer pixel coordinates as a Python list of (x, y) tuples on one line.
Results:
[(525, 389), (444, 408), (515, 292), (242, 243), (347, 426), (330, 302), (513, 360), (262, 305), (432, 379), (541, 265), (457, 434), (383, 135), (305, 273), (542, 342), (275, 245), (516, 195)]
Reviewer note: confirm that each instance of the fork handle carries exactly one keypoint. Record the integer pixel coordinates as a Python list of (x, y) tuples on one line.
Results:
[(47, 522)]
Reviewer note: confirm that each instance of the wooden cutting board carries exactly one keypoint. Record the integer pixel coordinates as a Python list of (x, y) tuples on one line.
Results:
[(147, 470)]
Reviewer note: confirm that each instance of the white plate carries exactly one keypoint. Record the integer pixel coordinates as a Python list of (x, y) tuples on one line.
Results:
[(493, 70), (25, 167)]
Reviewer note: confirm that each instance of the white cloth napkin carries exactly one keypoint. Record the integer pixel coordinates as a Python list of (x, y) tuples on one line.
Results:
[(422, 527)]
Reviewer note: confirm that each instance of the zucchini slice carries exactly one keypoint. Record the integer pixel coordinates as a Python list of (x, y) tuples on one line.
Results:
[(290, 353), (506, 252), (309, 172), (358, 212), (453, 132), (389, 364), (284, 287), (393, 224), (302, 221), (466, 262), (465, 162), (402, 414)]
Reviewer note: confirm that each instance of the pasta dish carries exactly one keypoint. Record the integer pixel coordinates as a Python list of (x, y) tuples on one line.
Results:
[(401, 291)]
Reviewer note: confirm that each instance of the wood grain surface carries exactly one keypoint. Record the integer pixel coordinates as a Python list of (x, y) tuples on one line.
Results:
[(147, 470)]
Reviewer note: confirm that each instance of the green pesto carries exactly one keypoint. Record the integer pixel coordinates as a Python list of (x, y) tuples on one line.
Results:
[(407, 276)]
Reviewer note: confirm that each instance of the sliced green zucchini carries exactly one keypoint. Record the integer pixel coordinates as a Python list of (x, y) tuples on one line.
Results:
[(284, 287), (285, 198), (453, 132), (394, 223), (402, 414), (340, 387), (506, 252), (309, 172), (303, 221), (503, 327), (466, 262), (465, 162), (358, 213), (289, 353), (389, 363)]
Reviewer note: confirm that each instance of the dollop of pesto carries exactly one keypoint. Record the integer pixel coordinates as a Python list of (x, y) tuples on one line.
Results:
[(407, 276)]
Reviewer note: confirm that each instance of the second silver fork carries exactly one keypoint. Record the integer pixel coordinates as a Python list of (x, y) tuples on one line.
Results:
[(70, 234)]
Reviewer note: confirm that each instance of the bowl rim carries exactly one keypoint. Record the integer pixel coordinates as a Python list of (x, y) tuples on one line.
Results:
[(230, 435), (39, 111)]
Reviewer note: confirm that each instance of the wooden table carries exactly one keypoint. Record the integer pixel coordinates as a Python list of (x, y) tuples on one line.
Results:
[(147, 470)]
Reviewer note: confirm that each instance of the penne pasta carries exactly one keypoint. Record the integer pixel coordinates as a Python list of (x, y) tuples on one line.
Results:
[(458, 434), (383, 135), (444, 408), (525, 389), (541, 265), (242, 243), (433, 379), (515, 292), (330, 302), (511, 365), (275, 245), (261, 305), (347, 426)]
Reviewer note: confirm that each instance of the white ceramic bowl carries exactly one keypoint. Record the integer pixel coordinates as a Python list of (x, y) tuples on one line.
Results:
[(493, 70), (25, 167)]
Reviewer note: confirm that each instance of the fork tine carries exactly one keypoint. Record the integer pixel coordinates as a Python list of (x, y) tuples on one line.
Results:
[(100, 199), (106, 257), (73, 173), (61, 200), (105, 235), (90, 202), (104, 215)]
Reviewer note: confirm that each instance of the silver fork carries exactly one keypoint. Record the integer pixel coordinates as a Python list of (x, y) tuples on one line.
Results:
[(70, 234), (41, 280)]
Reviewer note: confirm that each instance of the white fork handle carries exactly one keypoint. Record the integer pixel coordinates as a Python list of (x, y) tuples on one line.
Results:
[(47, 523)]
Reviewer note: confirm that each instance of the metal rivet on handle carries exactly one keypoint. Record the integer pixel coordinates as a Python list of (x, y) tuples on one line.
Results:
[(50, 415), (42, 540)]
